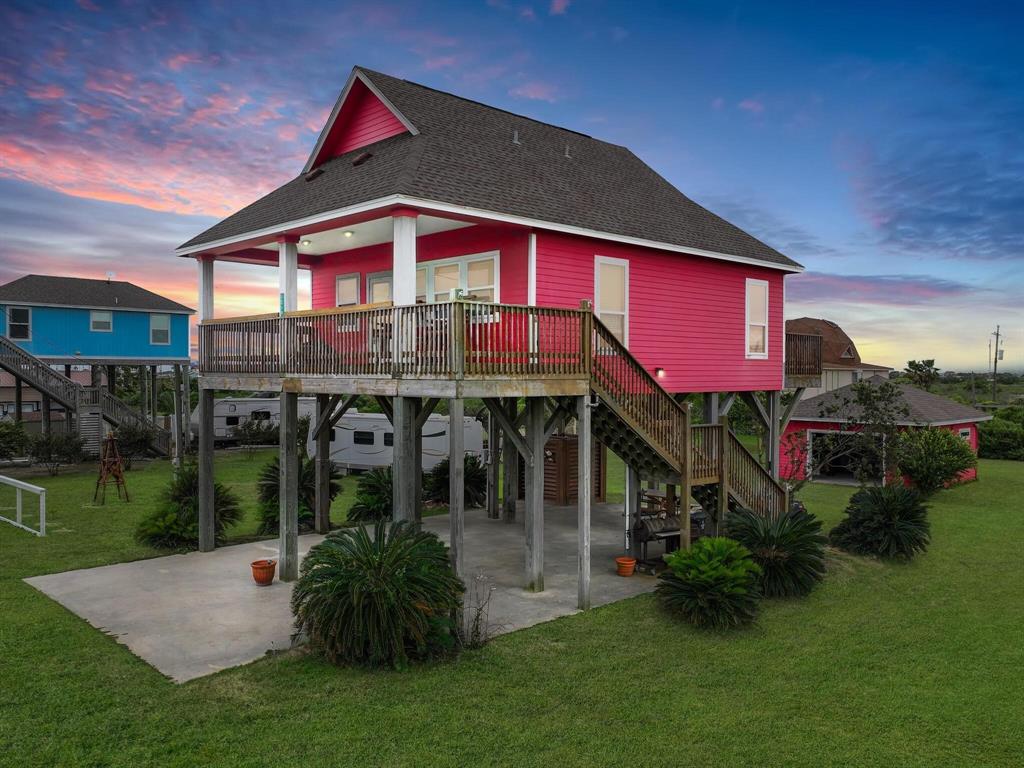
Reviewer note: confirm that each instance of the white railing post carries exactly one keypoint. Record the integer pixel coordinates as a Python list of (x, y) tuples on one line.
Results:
[(42, 512), (17, 506), (19, 486)]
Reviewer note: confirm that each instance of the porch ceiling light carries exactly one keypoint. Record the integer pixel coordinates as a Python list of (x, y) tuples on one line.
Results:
[(307, 242), (659, 372), (348, 233)]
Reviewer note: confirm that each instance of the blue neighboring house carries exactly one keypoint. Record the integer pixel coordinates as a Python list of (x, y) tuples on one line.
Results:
[(71, 320)]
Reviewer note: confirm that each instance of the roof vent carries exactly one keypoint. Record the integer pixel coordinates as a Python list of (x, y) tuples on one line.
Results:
[(515, 137), (314, 173), (567, 152), (362, 158)]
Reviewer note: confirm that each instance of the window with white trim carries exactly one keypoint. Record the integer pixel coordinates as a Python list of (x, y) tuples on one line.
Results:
[(965, 433), (159, 329), (611, 295), (346, 290), (19, 323), (378, 288), (475, 275), (757, 318), (101, 320)]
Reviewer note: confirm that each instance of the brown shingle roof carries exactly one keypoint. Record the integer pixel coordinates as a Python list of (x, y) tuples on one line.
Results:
[(80, 292), (924, 407), (464, 155), (837, 348)]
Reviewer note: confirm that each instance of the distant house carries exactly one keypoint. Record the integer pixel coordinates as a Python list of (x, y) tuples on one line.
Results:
[(48, 321), (840, 360), (70, 320), (808, 425)]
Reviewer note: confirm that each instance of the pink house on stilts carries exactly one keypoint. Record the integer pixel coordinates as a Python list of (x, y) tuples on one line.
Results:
[(461, 251)]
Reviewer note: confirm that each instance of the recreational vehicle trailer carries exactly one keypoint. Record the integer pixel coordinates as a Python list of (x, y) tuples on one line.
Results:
[(362, 441), (229, 413)]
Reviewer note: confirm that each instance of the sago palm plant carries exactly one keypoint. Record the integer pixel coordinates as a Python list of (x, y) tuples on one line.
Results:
[(890, 522), (790, 549), (379, 601)]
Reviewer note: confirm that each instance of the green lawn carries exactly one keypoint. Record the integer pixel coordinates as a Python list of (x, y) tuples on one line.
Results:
[(884, 665)]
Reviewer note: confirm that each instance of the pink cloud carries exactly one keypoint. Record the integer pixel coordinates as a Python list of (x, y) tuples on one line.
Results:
[(717, 103), (440, 62), (178, 62), (88, 5), (288, 132), (45, 92), (887, 290), (559, 7), (754, 106), (94, 111), (220, 109), (537, 91)]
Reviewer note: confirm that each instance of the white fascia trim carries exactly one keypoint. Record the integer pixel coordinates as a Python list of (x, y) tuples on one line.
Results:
[(356, 75), (85, 359), (483, 214), (100, 309), (948, 423), (531, 270)]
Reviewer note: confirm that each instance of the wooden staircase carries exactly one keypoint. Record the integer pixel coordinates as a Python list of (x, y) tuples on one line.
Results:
[(90, 405), (649, 430)]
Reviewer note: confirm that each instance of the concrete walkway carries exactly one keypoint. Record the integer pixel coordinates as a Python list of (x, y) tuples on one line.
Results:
[(195, 614)]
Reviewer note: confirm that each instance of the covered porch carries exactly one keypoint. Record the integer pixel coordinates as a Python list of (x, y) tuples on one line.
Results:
[(151, 606)]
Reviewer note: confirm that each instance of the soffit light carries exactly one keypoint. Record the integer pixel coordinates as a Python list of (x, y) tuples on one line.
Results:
[(348, 233)]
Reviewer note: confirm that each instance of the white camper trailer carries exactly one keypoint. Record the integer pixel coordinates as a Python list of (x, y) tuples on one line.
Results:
[(364, 440), (229, 413)]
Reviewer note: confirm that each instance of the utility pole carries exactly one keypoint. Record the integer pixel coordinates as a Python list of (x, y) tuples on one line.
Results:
[(995, 363)]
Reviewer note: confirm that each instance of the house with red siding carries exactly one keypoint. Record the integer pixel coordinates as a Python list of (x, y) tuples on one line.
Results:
[(835, 413), (456, 251)]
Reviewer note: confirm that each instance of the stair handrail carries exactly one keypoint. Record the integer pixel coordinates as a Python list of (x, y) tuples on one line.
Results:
[(122, 412), (669, 438), (38, 372), (752, 483)]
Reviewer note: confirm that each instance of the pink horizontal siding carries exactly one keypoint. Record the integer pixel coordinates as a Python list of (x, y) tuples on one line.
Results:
[(363, 120), (511, 245), (686, 313), (793, 446)]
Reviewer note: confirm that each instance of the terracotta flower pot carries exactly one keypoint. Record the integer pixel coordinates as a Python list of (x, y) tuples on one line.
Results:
[(263, 571), (625, 565)]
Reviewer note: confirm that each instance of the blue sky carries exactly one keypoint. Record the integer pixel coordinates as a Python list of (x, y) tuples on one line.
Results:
[(879, 144)]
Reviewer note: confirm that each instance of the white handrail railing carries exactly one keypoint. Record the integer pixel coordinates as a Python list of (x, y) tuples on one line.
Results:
[(19, 486)]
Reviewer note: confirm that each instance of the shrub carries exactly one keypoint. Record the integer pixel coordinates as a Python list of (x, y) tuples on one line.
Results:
[(255, 432), (374, 499), (12, 440), (932, 458), (268, 488), (1001, 439), (133, 439), (789, 549), (55, 449), (891, 522), (713, 584), (174, 524), (1012, 413), (436, 486), (380, 601)]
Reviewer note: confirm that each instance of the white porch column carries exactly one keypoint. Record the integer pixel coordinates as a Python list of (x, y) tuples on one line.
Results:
[(288, 272), (205, 264), (403, 270)]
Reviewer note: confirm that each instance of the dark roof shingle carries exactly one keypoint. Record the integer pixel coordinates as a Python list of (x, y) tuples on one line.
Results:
[(81, 292), (464, 155), (924, 407)]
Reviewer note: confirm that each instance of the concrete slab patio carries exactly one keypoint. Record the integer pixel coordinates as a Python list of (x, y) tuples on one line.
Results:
[(195, 614)]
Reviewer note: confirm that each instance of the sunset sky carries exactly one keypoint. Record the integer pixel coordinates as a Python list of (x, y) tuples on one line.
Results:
[(882, 145)]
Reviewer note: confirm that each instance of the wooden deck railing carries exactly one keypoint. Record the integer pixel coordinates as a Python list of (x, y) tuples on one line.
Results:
[(706, 453), (445, 340), (803, 354), (651, 409)]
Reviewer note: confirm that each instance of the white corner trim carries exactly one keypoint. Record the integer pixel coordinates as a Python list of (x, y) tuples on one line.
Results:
[(531, 270)]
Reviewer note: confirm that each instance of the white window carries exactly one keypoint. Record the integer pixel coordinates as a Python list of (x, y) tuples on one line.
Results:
[(475, 275), (965, 433), (101, 321), (346, 290), (378, 288), (757, 318), (159, 329), (611, 295), (19, 323)]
